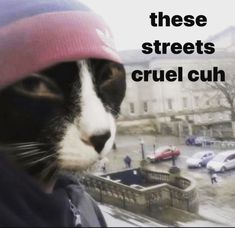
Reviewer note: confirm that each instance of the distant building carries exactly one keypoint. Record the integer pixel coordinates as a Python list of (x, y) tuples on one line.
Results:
[(184, 102)]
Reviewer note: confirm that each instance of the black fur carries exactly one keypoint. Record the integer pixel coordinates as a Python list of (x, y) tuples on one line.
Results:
[(35, 111)]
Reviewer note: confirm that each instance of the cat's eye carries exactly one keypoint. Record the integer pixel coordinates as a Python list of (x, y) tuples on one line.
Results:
[(112, 85), (38, 86)]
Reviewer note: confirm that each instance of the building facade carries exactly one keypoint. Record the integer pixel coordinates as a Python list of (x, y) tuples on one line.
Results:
[(181, 102)]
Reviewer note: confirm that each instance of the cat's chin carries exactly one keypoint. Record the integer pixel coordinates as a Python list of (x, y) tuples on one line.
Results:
[(72, 157), (70, 164), (74, 154)]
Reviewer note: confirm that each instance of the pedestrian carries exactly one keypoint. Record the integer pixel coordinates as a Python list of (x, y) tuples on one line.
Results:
[(173, 155), (127, 161), (103, 165), (104, 168), (214, 177), (114, 146)]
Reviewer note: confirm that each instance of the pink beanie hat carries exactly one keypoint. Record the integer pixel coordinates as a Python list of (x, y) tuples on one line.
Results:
[(37, 34)]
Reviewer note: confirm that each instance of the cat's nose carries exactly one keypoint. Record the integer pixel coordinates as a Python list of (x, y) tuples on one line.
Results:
[(98, 141)]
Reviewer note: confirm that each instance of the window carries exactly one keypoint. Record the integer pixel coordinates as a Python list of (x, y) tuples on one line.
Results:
[(169, 104), (132, 108), (210, 117), (185, 102), (196, 101), (145, 106), (219, 101), (231, 157)]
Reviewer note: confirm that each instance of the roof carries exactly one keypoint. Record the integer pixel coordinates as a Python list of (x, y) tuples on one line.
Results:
[(134, 56), (230, 31)]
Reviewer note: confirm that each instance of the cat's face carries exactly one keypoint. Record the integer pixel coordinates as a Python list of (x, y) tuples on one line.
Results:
[(62, 117)]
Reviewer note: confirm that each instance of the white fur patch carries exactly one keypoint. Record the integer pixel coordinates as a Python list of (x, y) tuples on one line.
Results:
[(93, 120)]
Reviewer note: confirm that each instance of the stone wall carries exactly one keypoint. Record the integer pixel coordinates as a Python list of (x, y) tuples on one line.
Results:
[(161, 194), (141, 126)]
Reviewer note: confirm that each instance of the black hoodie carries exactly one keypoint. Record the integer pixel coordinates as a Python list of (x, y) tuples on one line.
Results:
[(23, 203)]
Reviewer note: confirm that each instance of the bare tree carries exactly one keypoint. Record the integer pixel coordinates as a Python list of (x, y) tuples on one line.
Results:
[(227, 89)]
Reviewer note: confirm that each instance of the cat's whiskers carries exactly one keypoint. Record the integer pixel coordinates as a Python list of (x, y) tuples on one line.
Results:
[(39, 160), (23, 149), (31, 153), (26, 147), (25, 153), (27, 144), (44, 174)]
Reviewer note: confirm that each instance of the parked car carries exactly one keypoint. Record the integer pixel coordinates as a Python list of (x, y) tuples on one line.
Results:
[(200, 159), (203, 140), (190, 140), (222, 161), (198, 140), (163, 153)]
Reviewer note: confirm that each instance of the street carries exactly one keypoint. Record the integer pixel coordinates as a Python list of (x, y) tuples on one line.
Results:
[(217, 202)]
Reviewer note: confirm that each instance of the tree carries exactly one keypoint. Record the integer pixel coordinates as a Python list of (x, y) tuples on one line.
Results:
[(227, 89)]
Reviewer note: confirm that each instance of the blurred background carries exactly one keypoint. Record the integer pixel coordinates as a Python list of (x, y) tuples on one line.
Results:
[(192, 116)]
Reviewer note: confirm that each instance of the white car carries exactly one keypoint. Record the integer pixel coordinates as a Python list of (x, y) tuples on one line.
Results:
[(202, 141), (222, 161), (200, 159)]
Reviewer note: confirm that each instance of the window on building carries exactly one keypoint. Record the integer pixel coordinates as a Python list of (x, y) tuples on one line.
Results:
[(132, 107), (145, 106), (231, 157), (221, 117), (210, 117), (185, 102), (219, 101), (199, 118), (196, 101), (169, 104)]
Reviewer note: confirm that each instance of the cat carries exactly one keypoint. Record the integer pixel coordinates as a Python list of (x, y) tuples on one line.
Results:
[(63, 117)]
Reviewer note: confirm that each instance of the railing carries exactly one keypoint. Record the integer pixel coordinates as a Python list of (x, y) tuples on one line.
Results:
[(192, 111), (162, 193), (105, 190), (182, 196), (156, 177), (219, 144)]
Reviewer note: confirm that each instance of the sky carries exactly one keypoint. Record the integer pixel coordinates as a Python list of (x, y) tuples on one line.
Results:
[(130, 23)]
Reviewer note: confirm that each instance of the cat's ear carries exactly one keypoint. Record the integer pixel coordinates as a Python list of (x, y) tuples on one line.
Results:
[(38, 87)]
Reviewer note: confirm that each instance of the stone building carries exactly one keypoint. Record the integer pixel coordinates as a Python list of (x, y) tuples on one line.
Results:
[(183, 107)]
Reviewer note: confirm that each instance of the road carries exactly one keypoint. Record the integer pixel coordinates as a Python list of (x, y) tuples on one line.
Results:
[(217, 202)]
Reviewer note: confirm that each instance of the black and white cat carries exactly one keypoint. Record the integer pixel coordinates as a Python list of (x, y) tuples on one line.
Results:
[(62, 117)]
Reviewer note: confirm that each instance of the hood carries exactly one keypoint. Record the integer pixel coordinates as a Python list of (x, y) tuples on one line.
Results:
[(193, 160), (215, 163), (151, 156), (37, 34)]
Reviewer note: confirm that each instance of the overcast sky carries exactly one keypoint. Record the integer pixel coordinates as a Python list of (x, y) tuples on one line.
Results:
[(130, 23)]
